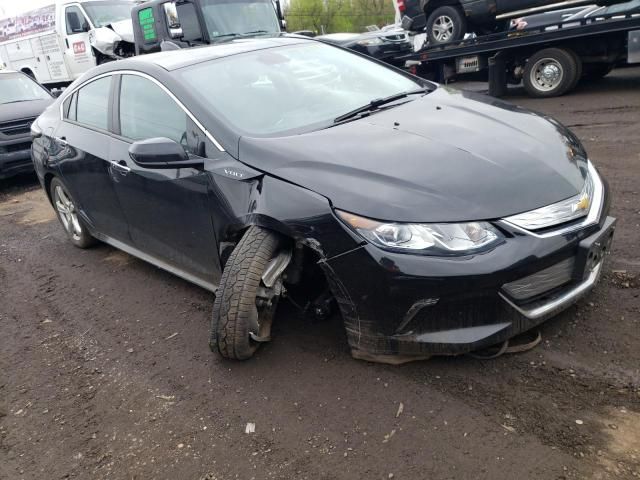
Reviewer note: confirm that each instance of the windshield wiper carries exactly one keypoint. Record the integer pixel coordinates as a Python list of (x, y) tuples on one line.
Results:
[(227, 35), (245, 34), (16, 101), (254, 32), (379, 102)]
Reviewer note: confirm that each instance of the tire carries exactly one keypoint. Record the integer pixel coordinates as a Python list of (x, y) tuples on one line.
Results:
[(235, 307), (446, 24), (550, 72), (595, 71), (579, 69), (66, 211)]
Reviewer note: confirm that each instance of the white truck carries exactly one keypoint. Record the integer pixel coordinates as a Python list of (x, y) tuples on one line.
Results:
[(57, 43)]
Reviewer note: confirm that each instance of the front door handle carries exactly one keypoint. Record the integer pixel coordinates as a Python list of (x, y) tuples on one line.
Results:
[(120, 167)]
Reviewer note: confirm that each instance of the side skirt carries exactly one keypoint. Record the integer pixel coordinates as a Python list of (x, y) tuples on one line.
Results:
[(155, 262)]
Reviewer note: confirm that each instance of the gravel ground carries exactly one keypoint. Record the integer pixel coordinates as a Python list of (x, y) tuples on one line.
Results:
[(105, 370)]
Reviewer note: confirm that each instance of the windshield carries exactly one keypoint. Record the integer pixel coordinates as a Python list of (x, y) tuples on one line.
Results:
[(15, 87), (623, 7), (240, 17), (303, 86), (103, 13)]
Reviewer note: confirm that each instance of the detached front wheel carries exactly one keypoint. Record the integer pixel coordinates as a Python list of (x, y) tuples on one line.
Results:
[(248, 295)]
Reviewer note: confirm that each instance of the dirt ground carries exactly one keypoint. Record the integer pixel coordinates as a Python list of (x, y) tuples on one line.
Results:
[(105, 371)]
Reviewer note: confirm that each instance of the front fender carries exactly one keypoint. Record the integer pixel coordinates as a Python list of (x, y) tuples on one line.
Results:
[(259, 199)]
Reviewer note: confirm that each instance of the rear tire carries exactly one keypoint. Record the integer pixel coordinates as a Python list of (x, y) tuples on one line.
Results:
[(235, 310), (66, 210), (551, 72), (446, 24)]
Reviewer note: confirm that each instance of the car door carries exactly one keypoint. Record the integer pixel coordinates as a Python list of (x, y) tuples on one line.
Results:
[(81, 152), (77, 50), (168, 210)]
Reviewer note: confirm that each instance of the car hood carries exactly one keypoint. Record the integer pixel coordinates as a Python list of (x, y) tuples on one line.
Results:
[(19, 110), (448, 156), (124, 28)]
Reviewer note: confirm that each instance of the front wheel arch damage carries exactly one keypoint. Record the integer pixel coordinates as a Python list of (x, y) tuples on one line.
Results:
[(305, 287)]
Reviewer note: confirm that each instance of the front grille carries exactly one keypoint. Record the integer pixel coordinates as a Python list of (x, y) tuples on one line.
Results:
[(17, 127), (542, 281), (16, 147)]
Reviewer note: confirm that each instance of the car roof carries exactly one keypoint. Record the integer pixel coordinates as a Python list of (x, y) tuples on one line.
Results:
[(174, 59)]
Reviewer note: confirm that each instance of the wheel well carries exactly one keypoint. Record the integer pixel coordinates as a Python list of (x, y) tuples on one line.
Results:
[(431, 6), (304, 275), (47, 185)]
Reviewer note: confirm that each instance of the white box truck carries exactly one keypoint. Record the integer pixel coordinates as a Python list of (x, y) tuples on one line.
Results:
[(57, 43)]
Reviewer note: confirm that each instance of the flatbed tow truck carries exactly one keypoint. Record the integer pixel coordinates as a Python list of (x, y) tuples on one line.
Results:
[(549, 60)]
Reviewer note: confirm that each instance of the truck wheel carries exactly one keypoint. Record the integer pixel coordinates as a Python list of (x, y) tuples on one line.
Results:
[(244, 306), (550, 72), (67, 213), (446, 24)]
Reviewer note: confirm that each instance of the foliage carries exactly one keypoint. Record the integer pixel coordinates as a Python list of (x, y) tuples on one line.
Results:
[(329, 16)]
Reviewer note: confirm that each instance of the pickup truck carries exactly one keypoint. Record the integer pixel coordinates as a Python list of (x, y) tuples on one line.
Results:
[(450, 20)]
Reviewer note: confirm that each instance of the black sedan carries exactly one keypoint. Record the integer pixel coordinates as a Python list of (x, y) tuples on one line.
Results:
[(383, 45), (21, 101), (443, 221)]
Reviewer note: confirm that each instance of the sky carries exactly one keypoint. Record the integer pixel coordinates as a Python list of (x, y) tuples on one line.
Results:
[(11, 7)]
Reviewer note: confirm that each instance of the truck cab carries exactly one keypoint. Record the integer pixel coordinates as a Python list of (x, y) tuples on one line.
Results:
[(170, 24)]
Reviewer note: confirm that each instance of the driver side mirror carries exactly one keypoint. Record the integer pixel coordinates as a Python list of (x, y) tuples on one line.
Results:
[(161, 152), (173, 22), (85, 27)]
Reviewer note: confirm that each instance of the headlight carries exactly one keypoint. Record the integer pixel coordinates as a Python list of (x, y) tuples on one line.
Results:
[(371, 42), (433, 238)]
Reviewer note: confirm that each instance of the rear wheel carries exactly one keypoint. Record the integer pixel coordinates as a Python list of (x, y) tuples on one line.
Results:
[(247, 297), (446, 24), (67, 213), (551, 72)]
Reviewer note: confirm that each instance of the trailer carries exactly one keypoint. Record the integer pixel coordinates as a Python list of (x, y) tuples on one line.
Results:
[(549, 60)]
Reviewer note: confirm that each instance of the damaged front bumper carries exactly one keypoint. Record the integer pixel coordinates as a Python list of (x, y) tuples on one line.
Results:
[(417, 306)]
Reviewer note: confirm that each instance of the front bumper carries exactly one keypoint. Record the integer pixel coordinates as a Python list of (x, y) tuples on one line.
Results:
[(15, 157), (399, 304)]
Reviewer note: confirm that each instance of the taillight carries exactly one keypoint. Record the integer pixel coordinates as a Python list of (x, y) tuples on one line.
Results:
[(401, 6)]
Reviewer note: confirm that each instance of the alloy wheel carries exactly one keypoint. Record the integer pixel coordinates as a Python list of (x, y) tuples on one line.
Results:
[(67, 212), (443, 28)]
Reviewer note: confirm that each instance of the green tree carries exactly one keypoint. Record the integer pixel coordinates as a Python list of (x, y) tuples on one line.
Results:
[(328, 16)]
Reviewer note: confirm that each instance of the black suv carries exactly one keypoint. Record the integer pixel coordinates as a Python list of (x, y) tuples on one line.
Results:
[(449, 20)]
